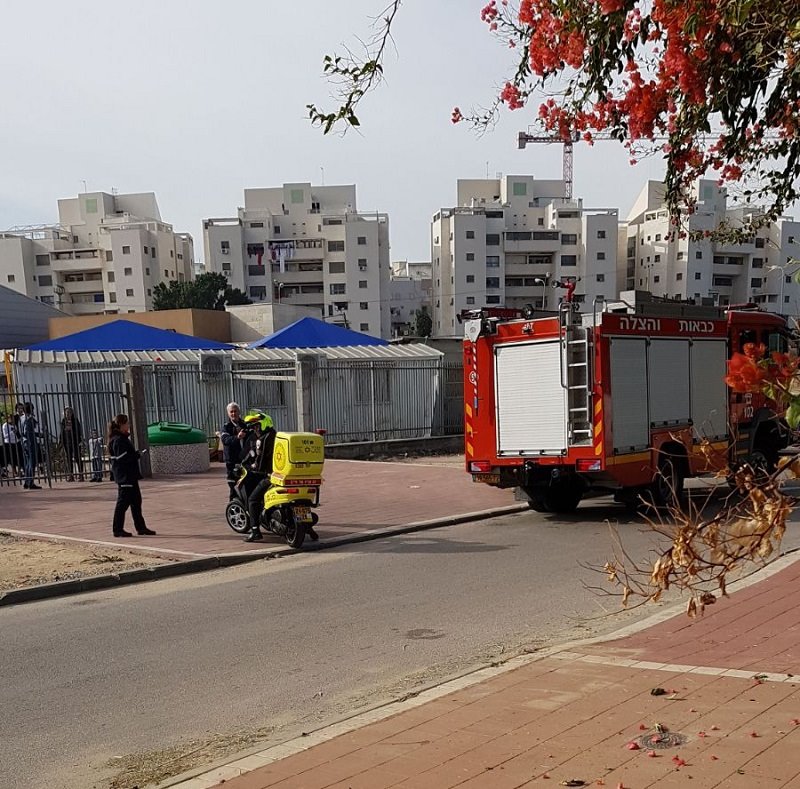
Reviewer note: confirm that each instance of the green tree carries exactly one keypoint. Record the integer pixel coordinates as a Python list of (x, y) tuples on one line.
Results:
[(712, 86), (209, 291), (423, 324)]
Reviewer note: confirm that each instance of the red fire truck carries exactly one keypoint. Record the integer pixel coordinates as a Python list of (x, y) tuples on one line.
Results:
[(628, 399)]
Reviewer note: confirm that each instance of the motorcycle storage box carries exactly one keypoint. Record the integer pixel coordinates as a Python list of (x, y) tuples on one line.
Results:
[(298, 458)]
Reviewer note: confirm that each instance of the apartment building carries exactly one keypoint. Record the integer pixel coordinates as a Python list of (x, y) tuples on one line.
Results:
[(410, 291), (307, 246), (105, 255), (759, 271), (509, 239)]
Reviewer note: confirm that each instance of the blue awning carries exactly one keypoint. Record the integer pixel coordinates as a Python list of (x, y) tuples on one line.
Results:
[(122, 335), (313, 333)]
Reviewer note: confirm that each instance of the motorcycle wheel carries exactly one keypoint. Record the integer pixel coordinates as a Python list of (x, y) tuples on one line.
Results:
[(237, 517), (295, 530)]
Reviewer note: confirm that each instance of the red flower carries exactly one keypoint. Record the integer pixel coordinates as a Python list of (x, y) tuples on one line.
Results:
[(744, 373)]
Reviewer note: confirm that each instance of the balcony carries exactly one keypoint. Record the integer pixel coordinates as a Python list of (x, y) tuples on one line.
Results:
[(75, 260), (532, 241)]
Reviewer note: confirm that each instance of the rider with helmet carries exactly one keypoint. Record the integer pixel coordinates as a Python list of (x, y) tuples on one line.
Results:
[(260, 467)]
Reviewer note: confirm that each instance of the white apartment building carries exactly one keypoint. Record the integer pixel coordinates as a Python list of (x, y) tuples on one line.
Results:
[(508, 239), (410, 290), (758, 271), (105, 255), (307, 246)]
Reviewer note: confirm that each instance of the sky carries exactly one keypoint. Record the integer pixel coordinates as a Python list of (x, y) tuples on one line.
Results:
[(197, 101)]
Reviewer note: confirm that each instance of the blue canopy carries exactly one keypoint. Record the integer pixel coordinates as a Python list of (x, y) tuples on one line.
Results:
[(313, 333), (122, 335)]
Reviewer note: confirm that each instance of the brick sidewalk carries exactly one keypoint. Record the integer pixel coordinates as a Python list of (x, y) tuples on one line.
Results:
[(571, 715), (188, 512)]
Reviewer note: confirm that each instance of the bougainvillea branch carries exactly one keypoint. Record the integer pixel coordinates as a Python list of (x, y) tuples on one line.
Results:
[(712, 85)]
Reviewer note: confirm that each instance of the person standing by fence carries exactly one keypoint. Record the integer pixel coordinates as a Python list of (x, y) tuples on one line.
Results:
[(125, 467), (96, 456), (72, 441), (232, 435), (11, 446), (28, 425)]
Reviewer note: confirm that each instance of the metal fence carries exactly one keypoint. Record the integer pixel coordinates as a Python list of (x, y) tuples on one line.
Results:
[(66, 447)]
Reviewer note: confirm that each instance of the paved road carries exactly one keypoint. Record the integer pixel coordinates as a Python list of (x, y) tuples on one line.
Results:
[(287, 643)]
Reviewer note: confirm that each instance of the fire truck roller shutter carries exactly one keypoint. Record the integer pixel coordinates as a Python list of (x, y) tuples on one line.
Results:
[(668, 378), (629, 414), (709, 393), (529, 423)]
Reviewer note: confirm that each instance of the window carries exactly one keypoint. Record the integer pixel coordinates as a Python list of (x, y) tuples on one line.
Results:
[(112, 297), (698, 275), (698, 255), (758, 262), (723, 282), (147, 251), (362, 240), (11, 278), (336, 267), (110, 276), (226, 265), (492, 299), (601, 255), (256, 224), (91, 205), (492, 261), (569, 238), (258, 291), (255, 270), (153, 251), (147, 270), (785, 279), (364, 327), (363, 305), (129, 292), (680, 255), (172, 253), (569, 260), (362, 283), (601, 233), (336, 246), (656, 278), (657, 259), (277, 230), (43, 260), (492, 239), (759, 243), (470, 234), (128, 272), (126, 250), (470, 256), (492, 282), (601, 277), (470, 299), (540, 221), (785, 299), (109, 256), (679, 276), (470, 278), (755, 282), (45, 280), (658, 236), (337, 289), (166, 273)]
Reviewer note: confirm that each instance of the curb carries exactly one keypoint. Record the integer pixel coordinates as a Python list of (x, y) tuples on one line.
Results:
[(29, 594), (259, 756)]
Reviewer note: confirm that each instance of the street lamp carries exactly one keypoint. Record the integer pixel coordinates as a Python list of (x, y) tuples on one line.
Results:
[(541, 281), (279, 285)]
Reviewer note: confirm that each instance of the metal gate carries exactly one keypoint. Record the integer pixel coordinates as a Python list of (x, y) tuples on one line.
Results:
[(70, 434)]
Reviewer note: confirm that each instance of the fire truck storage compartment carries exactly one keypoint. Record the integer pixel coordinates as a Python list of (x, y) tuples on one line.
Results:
[(662, 383), (531, 403), (709, 392)]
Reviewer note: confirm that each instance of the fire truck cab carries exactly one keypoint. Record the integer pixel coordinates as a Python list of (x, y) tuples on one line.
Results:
[(629, 399)]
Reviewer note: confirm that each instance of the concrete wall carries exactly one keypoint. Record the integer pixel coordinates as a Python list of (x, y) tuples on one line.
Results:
[(209, 324), (250, 322)]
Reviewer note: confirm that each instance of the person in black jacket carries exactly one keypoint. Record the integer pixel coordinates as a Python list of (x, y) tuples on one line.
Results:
[(125, 467), (232, 436), (72, 441), (260, 469)]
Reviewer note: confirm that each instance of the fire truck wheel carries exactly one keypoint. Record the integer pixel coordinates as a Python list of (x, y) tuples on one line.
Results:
[(560, 498), (667, 487)]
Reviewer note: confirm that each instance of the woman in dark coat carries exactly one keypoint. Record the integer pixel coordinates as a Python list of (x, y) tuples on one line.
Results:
[(72, 440), (125, 468)]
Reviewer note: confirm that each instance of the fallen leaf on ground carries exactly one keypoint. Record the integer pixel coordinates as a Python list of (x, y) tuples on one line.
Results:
[(658, 692), (632, 746)]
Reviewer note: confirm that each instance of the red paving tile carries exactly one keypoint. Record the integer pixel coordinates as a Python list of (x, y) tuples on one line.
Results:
[(188, 511)]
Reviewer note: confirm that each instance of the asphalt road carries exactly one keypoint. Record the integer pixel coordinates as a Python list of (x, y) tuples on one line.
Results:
[(290, 643)]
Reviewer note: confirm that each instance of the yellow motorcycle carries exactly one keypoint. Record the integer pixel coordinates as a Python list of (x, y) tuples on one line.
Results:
[(297, 462)]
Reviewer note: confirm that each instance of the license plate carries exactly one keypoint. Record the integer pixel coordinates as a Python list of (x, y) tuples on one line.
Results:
[(302, 513), (489, 479)]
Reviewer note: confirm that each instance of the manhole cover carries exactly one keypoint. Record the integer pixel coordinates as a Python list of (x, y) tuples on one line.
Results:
[(660, 740)]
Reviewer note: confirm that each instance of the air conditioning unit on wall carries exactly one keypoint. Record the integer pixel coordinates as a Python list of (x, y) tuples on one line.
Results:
[(214, 366)]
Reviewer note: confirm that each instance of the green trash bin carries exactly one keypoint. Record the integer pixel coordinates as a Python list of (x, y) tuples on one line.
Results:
[(177, 448)]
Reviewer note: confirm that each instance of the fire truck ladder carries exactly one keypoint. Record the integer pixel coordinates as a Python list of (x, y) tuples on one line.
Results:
[(576, 380)]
